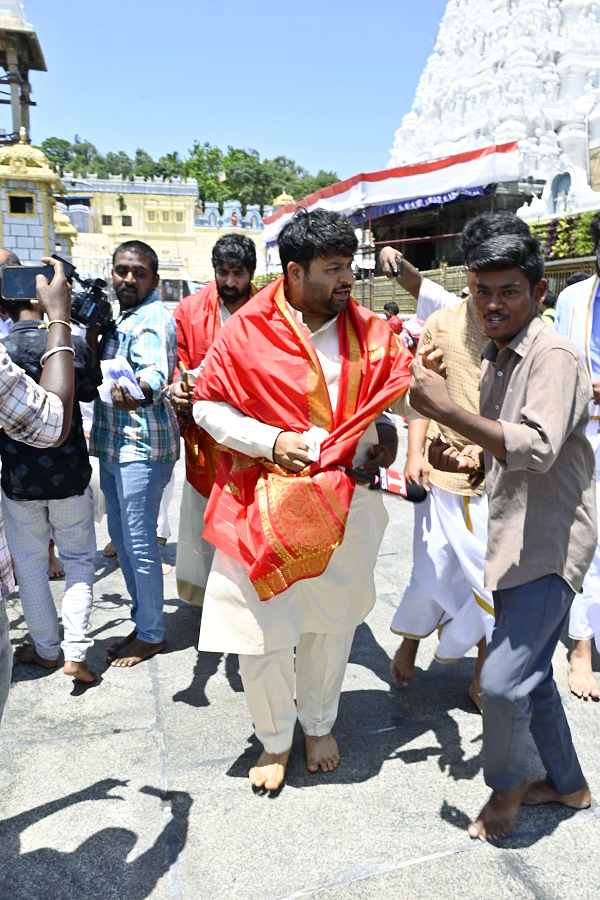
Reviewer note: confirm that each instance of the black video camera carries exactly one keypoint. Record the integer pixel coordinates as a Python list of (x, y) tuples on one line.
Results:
[(89, 305)]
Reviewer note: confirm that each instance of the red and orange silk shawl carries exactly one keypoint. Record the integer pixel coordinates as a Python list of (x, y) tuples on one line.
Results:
[(198, 319), (282, 526)]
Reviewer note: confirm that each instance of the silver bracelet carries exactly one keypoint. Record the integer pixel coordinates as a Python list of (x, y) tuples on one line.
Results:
[(48, 353)]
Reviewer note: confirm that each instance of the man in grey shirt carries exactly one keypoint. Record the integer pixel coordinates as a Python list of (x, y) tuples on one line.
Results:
[(539, 469)]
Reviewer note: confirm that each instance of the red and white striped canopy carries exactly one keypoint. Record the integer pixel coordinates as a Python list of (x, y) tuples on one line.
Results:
[(407, 187)]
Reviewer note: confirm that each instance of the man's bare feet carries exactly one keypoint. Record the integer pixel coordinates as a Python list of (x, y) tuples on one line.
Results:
[(321, 753), (27, 653), (116, 648), (269, 771), (136, 651), (79, 671), (109, 551), (581, 677), (498, 815), (55, 566), (167, 568), (540, 792), (402, 667)]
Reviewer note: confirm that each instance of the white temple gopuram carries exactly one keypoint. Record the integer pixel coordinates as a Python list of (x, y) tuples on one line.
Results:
[(505, 70)]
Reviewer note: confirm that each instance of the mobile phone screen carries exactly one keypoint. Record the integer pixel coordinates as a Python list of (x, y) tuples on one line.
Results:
[(18, 282)]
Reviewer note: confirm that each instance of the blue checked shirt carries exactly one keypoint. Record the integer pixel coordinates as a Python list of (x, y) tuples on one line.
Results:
[(146, 336), (28, 414)]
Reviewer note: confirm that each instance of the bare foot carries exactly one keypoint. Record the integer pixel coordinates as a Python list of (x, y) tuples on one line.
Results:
[(402, 667), (166, 568), (136, 651), (498, 815), (55, 566), (540, 792), (321, 753), (109, 551), (115, 648), (581, 677), (269, 771), (27, 653), (79, 671)]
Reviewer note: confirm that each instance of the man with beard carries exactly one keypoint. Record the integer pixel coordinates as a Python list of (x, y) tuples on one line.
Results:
[(199, 318), (292, 387), (137, 443)]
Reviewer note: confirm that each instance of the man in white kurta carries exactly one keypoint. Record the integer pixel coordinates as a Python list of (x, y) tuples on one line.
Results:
[(315, 615), (578, 317)]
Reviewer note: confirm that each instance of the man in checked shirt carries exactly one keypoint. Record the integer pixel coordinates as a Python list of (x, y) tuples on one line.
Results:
[(137, 443), (38, 414)]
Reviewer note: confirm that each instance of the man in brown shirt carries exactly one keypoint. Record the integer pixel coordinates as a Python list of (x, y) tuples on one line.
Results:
[(539, 473)]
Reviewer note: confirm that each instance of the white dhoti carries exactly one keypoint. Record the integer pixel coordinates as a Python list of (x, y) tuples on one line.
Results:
[(577, 313), (194, 554), (446, 589), (584, 618), (317, 616)]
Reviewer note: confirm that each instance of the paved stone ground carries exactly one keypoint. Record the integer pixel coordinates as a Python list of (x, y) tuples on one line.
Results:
[(137, 787)]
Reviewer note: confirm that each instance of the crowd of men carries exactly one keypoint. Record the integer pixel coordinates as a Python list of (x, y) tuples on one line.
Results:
[(283, 399)]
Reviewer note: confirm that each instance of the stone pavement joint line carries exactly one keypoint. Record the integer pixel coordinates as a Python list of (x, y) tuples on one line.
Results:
[(171, 840), (521, 870), (361, 873), (69, 738)]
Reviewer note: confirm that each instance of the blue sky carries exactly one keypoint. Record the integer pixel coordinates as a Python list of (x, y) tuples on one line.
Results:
[(325, 82)]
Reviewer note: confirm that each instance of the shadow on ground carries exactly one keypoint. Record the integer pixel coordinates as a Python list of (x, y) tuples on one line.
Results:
[(98, 869)]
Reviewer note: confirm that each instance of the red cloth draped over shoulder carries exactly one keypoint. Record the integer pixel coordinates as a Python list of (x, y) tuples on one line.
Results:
[(282, 526), (198, 319)]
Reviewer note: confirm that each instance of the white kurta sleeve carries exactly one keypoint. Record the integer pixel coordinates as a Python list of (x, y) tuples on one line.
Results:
[(433, 296), (231, 428)]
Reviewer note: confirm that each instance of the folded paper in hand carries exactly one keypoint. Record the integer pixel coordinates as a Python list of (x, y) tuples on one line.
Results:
[(118, 371)]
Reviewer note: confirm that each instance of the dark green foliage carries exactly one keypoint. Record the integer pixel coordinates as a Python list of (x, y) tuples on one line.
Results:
[(233, 175)]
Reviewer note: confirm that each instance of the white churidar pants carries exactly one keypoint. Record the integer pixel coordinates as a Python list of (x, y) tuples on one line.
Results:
[(321, 661), (584, 618), (29, 526), (445, 589), (194, 554)]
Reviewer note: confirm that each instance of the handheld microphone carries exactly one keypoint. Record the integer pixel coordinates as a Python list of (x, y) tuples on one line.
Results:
[(391, 482)]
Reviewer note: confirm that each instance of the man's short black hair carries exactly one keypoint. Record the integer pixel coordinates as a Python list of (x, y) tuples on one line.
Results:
[(139, 248), (317, 233), (235, 250), (486, 225), (595, 229), (509, 251), (549, 300), (392, 307), (576, 277)]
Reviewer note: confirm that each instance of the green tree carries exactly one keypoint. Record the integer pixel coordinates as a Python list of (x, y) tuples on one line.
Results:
[(59, 152), (143, 164), (171, 166), (116, 164), (85, 157), (247, 178), (205, 165)]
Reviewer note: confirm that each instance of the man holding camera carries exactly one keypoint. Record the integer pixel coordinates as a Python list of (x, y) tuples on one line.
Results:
[(35, 414), (137, 443), (46, 492)]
